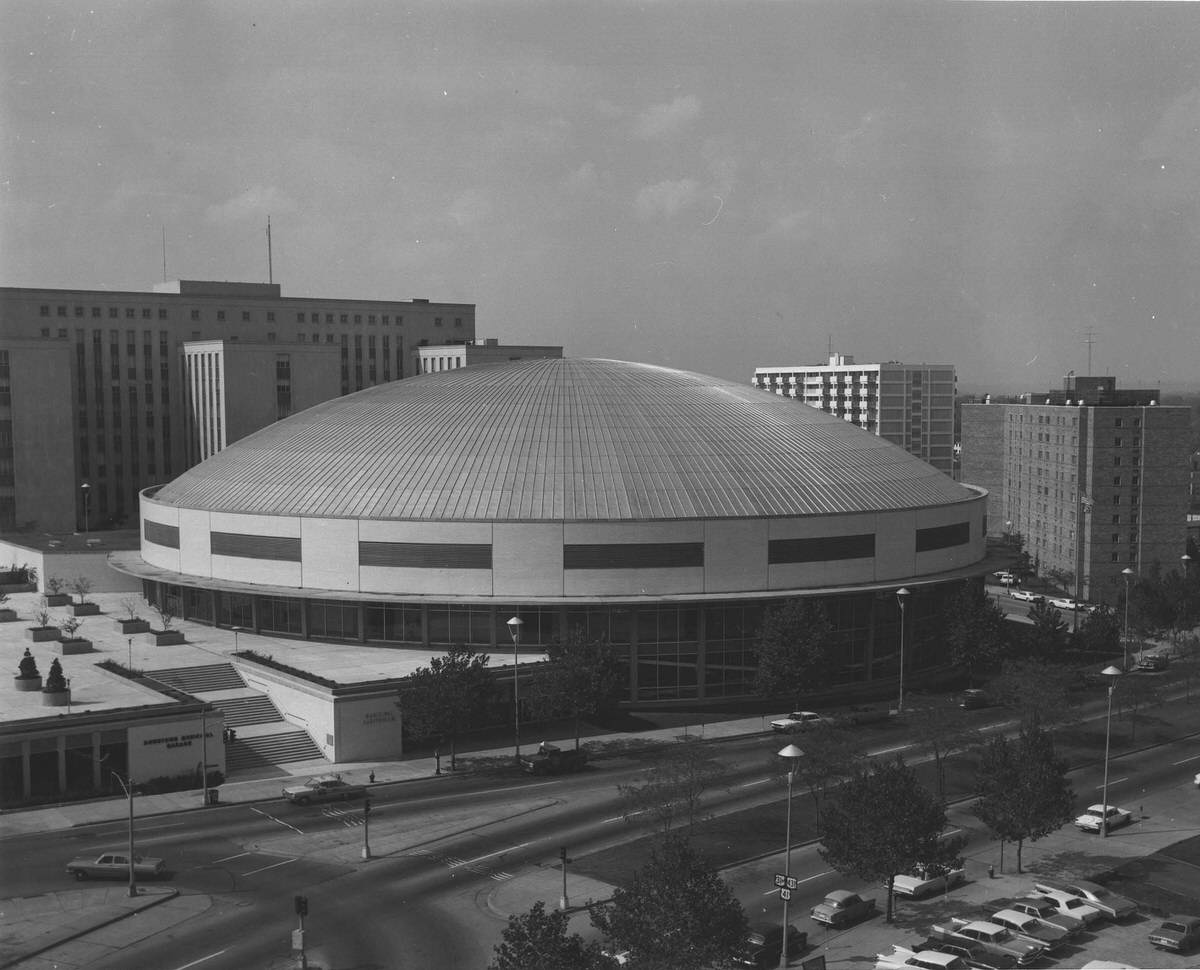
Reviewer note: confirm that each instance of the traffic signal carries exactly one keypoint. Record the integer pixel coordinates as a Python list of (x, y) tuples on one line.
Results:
[(562, 854), (366, 806), (301, 905)]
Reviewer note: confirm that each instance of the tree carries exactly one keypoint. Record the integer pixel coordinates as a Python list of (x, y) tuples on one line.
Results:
[(1064, 579), (538, 940), (1043, 694), (447, 697), (883, 822), (1100, 632), (1023, 789), (941, 732), (676, 915), (795, 649), (82, 585), (831, 754), (582, 680), (976, 630), (673, 788), (1047, 640)]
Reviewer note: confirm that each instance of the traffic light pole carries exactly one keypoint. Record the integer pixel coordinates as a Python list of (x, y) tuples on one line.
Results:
[(366, 849), (301, 904), (562, 854)]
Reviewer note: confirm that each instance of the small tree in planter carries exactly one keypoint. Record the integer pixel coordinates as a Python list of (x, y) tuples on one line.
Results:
[(42, 630), (165, 636), (54, 592), (131, 622), (81, 586), (27, 677), (56, 693), (7, 613), (71, 643)]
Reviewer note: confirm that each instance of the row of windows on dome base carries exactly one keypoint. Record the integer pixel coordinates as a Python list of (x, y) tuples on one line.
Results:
[(675, 651)]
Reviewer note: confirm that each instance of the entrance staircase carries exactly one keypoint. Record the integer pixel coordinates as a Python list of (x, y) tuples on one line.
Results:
[(262, 738)]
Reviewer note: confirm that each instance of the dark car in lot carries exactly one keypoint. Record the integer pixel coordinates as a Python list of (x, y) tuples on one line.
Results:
[(1177, 933), (975, 955), (762, 945)]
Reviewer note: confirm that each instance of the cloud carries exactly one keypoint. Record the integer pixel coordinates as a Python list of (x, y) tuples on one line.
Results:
[(256, 202), (583, 181), (666, 198), (661, 120), (469, 209)]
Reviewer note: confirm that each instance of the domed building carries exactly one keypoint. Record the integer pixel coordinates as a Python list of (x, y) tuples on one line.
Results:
[(663, 509)]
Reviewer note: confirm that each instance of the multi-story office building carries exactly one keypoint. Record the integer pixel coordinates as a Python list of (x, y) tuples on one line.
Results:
[(117, 391), (911, 405), (1094, 478), (490, 351)]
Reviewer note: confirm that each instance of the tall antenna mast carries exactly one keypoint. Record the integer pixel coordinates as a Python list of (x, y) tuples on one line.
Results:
[(270, 267), (164, 251), (1089, 338)]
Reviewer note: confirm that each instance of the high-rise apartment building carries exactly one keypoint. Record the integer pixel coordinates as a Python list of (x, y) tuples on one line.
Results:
[(911, 405), (1094, 478), (120, 390)]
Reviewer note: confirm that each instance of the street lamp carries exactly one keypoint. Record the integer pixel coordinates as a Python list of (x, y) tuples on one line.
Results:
[(791, 753), (236, 631), (1128, 574), (902, 594), (514, 628), (87, 490), (1112, 674), (129, 793)]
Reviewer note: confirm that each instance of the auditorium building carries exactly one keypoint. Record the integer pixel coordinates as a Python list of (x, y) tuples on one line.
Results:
[(662, 509)]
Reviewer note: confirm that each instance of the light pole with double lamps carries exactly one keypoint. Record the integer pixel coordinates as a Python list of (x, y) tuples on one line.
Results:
[(1112, 674)]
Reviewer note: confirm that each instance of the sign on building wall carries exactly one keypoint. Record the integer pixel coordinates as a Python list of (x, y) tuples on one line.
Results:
[(170, 748)]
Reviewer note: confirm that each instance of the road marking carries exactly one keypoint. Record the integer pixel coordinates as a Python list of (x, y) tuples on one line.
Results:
[(229, 858), (876, 754), (1115, 781), (469, 862), (196, 963), (620, 818), (265, 868), (274, 819), (761, 781), (1185, 760)]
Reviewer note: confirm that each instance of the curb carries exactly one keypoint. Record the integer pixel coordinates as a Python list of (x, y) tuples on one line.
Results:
[(151, 902)]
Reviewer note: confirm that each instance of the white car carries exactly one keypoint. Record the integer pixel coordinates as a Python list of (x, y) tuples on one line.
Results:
[(1110, 904), (1005, 577), (1025, 595), (1090, 820), (797, 721), (902, 957), (920, 883), (1069, 904), (1062, 602)]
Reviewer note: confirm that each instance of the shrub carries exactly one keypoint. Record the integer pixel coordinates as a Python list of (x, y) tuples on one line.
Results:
[(81, 586), (130, 606), (55, 584), (68, 625)]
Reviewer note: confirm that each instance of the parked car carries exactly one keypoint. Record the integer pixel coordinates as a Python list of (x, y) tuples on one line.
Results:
[(975, 955), (1047, 909), (323, 788), (1031, 928), (921, 882), (114, 864), (797, 721), (973, 699), (901, 958), (1005, 577), (1153, 662), (762, 945), (1090, 820), (1068, 906), (843, 908), (993, 938), (857, 714), (1025, 595), (550, 759), (1111, 904), (1177, 933), (1062, 602)]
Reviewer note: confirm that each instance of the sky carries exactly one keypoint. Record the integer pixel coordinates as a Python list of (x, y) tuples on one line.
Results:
[(708, 186)]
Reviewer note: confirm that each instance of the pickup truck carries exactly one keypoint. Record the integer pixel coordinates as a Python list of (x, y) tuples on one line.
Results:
[(921, 883), (842, 908), (993, 938), (323, 788), (553, 760)]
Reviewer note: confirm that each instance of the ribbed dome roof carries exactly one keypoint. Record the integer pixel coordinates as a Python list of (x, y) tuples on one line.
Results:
[(560, 440)]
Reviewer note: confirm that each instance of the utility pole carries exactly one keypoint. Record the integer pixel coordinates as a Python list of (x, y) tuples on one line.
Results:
[(301, 904), (366, 849), (562, 854)]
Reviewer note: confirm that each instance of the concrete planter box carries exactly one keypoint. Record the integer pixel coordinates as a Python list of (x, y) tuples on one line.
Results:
[(133, 626), (163, 638), (85, 609), (18, 587), (56, 698), (7, 616), (27, 683), (58, 599), (41, 634), (77, 645)]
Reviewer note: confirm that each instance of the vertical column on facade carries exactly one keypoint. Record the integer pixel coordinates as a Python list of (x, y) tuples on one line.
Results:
[(425, 625), (97, 774), (633, 654), (61, 751), (304, 619), (362, 622), (26, 770), (254, 614), (872, 626), (701, 653)]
